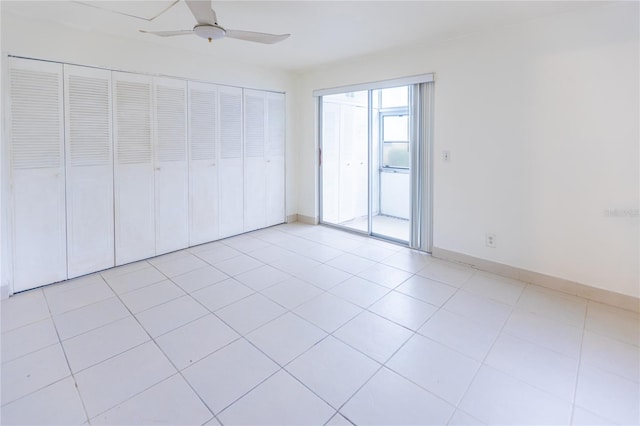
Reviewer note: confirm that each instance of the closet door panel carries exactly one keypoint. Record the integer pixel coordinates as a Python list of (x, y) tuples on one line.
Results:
[(231, 171), (255, 182), (171, 171), (36, 160), (203, 168), (89, 171), (134, 171), (275, 156)]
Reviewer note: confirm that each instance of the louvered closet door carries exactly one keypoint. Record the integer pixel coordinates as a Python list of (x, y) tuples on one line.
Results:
[(171, 172), (230, 172), (203, 156), (275, 155), (90, 232), (255, 178), (134, 169), (36, 156)]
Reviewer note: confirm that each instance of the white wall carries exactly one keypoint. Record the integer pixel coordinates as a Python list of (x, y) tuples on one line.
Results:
[(542, 123), (45, 40)]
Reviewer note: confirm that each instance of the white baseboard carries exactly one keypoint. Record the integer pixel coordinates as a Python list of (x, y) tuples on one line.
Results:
[(307, 219), (292, 218), (570, 287)]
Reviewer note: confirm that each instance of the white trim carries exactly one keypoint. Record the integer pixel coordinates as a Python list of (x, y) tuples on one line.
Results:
[(383, 84)]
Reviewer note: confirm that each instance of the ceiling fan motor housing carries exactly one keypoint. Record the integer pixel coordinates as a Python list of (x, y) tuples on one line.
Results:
[(210, 32)]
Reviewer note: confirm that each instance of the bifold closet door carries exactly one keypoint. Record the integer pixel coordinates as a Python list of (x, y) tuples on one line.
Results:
[(230, 172), (203, 168), (37, 174), (275, 156), (135, 231), (255, 167), (89, 160), (171, 167)]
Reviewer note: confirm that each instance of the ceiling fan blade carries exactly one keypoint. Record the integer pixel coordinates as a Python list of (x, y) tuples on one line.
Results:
[(256, 37), (202, 11), (168, 33)]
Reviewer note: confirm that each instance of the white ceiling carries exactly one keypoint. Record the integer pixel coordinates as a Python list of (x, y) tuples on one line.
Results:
[(322, 31)]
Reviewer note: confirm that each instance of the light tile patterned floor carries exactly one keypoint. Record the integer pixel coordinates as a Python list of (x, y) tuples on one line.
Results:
[(302, 324)]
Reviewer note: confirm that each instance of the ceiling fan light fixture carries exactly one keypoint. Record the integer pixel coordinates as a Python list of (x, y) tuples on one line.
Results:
[(210, 32)]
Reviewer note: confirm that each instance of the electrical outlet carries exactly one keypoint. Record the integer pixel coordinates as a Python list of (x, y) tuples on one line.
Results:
[(490, 240), (446, 156)]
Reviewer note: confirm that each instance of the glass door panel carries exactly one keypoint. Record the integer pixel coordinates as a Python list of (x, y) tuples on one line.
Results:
[(391, 204), (345, 159)]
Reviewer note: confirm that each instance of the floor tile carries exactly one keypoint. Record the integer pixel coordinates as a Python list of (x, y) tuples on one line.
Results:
[(608, 395), (613, 322), (78, 321), (409, 261), (206, 247), (192, 342), (270, 254), (286, 337), (295, 264), (112, 382), (611, 355), (250, 313), (460, 418), (280, 400), (359, 291), (333, 370), (327, 311), (440, 370), (179, 266), (404, 310), (171, 315), (460, 333), (384, 275), (245, 243), (238, 265), (582, 417), (102, 343), (170, 402), (222, 294), (124, 269), (338, 420), (373, 335), (199, 278), (495, 287), (324, 276), (23, 309), (96, 291), (373, 252), (554, 305), (226, 375), (27, 339), (550, 334), (540, 367), (497, 398), (388, 399), (447, 272), (56, 404), (262, 277), (218, 254), (321, 253), (427, 290), (150, 296), (32, 372), (168, 257), (351, 263), (483, 311), (292, 292), (134, 280)]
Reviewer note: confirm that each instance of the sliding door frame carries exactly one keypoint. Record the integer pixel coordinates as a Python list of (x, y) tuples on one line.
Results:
[(421, 170)]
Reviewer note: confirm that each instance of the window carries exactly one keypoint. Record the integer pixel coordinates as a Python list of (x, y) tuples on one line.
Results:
[(395, 138)]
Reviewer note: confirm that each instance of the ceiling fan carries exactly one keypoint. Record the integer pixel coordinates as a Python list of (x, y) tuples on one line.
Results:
[(207, 27)]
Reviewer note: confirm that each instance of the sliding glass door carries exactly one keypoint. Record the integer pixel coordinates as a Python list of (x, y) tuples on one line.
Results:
[(374, 173)]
